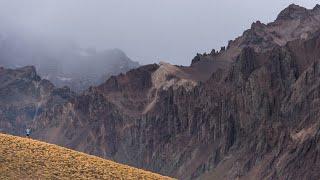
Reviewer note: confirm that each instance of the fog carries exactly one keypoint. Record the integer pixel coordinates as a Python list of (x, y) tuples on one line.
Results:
[(146, 30)]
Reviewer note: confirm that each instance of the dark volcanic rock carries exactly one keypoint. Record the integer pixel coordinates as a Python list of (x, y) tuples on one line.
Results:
[(197, 58), (292, 12)]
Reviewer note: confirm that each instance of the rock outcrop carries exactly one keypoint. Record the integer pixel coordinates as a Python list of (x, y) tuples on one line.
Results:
[(24, 96)]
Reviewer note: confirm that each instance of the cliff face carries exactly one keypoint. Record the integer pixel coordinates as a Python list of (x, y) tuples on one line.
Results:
[(254, 117), (257, 119), (25, 96)]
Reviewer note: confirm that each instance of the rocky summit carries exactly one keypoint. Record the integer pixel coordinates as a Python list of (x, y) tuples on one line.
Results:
[(248, 111)]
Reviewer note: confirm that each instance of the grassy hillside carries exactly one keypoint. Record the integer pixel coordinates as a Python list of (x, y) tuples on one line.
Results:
[(22, 158)]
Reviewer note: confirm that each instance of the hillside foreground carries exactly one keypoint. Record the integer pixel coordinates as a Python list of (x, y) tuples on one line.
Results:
[(22, 158)]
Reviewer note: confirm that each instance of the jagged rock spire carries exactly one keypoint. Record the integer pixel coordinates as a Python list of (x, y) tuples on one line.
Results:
[(291, 12)]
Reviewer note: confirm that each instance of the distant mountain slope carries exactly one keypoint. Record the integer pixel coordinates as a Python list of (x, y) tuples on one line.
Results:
[(62, 62), (24, 96), (23, 158)]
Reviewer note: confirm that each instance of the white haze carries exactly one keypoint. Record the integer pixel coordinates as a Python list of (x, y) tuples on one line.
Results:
[(147, 30)]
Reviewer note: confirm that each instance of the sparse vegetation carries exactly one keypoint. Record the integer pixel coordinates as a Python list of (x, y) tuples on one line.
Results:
[(23, 158)]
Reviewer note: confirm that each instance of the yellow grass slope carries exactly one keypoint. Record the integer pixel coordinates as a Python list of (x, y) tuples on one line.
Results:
[(22, 158)]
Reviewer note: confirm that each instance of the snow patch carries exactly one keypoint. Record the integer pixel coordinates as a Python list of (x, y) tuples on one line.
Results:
[(64, 78)]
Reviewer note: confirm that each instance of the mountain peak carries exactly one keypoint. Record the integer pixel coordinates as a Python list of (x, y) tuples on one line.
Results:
[(28, 69), (257, 24), (316, 8), (293, 11), (28, 72)]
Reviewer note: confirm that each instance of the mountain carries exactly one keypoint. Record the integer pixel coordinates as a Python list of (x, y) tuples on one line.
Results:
[(62, 61), (24, 95), (23, 158), (249, 111)]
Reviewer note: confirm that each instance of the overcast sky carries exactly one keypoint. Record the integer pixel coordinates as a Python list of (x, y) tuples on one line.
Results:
[(146, 30)]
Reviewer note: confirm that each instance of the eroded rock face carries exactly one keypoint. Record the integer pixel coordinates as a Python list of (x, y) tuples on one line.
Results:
[(24, 96), (258, 119), (293, 23), (255, 118)]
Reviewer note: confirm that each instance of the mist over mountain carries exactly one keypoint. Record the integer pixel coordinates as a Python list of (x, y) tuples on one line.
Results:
[(147, 31), (62, 61), (249, 110)]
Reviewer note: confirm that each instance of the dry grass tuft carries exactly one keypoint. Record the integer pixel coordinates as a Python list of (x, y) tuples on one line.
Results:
[(22, 158)]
